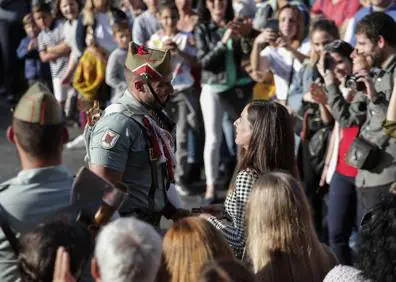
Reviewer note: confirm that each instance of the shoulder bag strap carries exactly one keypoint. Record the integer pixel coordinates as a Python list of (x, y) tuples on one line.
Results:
[(8, 232), (289, 82)]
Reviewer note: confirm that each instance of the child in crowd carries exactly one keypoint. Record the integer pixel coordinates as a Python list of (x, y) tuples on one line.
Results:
[(89, 81), (52, 48), (133, 9), (184, 101), (68, 10), (147, 23), (115, 77), (35, 70)]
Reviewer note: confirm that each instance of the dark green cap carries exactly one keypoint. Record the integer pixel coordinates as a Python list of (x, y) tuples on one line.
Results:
[(38, 105)]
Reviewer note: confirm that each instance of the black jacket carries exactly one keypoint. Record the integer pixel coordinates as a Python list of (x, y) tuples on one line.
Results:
[(211, 54)]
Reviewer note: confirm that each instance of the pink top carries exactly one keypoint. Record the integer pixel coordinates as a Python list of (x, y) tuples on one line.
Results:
[(339, 12)]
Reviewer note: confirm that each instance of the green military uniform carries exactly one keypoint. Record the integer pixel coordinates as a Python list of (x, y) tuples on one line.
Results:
[(34, 195), (119, 140)]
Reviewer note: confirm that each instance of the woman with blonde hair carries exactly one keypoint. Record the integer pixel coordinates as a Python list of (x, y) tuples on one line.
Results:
[(282, 243), (188, 245), (281, 49), (226, 270)]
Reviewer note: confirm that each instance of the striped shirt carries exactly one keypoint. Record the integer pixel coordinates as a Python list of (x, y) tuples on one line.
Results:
[(50, 38)]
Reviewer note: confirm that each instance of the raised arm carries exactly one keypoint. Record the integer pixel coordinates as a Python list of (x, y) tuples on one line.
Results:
[(62, 49)]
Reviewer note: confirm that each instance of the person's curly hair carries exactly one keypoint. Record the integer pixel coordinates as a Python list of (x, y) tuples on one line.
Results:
[(377, 242)]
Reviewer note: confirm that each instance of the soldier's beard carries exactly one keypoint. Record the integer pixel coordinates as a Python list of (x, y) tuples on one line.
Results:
[(154, 102)]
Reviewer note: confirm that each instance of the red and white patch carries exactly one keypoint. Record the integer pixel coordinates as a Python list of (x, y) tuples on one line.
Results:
[(109, 139)]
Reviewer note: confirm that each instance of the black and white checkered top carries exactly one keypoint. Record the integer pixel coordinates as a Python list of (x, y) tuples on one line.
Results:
[(235, 206)]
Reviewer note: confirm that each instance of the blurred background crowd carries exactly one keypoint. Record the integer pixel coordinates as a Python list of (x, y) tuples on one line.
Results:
[(288, 105)]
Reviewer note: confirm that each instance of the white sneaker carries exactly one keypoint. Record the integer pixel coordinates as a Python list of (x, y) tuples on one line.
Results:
[(181, 190), (77, 143)]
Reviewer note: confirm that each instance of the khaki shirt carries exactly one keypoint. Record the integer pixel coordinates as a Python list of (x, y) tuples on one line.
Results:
[(118, 142)]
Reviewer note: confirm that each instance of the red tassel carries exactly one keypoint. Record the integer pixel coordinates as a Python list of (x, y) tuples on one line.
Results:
[(141, 50), (155, 149)]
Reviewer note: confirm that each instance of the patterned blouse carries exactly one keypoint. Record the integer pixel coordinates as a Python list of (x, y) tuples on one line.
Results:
[(235, 205)]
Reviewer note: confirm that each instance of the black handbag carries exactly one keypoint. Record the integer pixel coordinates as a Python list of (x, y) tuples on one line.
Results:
[(317, 146), (364, 155)]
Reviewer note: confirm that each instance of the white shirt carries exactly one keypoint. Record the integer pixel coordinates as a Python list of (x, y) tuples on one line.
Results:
[(281, 62), (182, 77), (69, 33), (103, 32)]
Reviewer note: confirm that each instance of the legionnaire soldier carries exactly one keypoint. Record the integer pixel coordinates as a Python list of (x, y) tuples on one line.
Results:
[(130, 141), (44, 185)]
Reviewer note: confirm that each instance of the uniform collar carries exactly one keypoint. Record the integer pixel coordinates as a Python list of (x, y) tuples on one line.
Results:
[(390, 63), (132, 103), (34, 175)]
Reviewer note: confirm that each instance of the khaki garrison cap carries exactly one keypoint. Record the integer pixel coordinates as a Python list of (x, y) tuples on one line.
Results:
[(38, 105), (156, 64)]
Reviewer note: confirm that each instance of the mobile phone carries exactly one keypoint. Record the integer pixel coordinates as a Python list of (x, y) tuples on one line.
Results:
[(273, 24), (196, 210), (327, 62)]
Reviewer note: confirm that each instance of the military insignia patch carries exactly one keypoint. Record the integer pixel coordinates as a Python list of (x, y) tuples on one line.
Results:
[(109, 139)]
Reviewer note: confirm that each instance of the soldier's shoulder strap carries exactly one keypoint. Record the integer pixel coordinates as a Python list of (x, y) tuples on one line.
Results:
[(120, 108)]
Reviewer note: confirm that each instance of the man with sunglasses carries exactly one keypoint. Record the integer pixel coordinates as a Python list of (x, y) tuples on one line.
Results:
[(373, 153)]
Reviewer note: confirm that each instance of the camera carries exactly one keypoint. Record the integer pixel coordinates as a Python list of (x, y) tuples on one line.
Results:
[(273, 24), (352, 82)]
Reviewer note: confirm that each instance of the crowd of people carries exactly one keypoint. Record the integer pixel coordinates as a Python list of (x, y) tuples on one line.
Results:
[(291, 104)]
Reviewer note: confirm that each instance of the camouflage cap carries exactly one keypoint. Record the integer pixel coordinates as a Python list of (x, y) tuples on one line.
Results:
[(146, 61), (38, 105)]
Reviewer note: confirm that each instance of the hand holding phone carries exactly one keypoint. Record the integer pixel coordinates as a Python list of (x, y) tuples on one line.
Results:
[(327, 62), (196, 210), (214, 209)]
